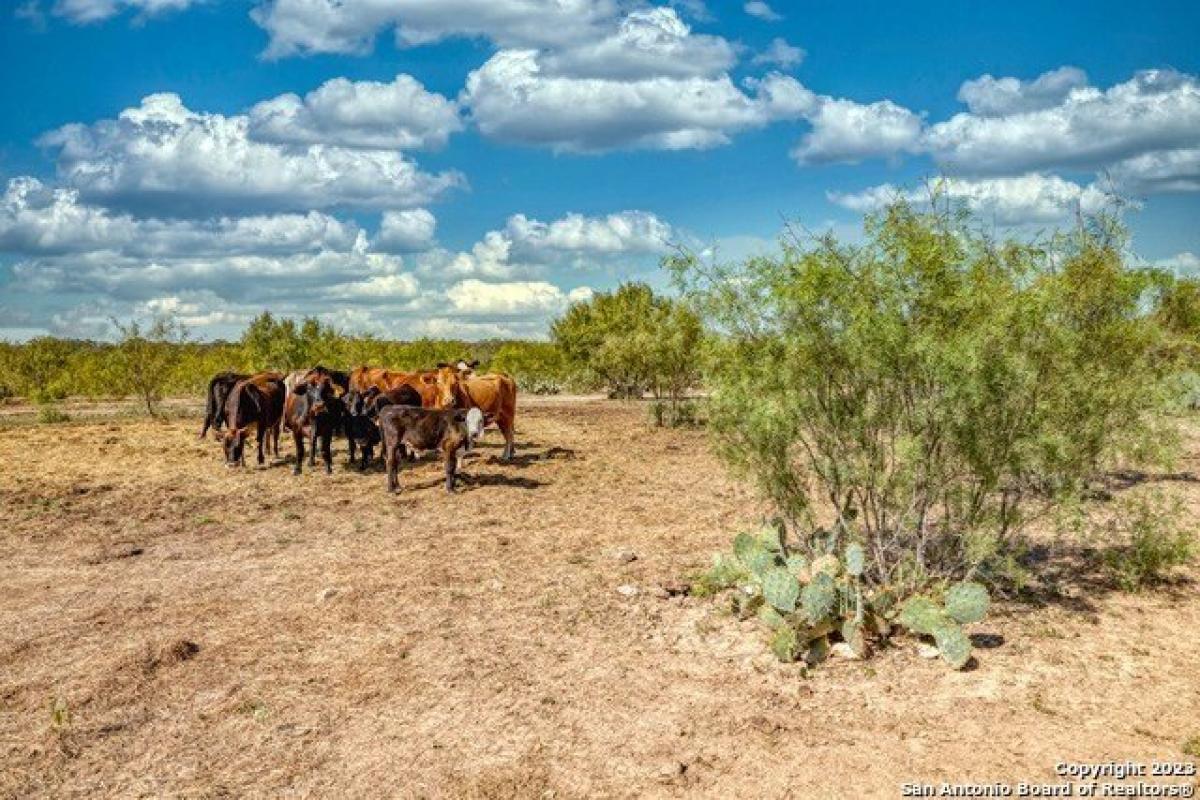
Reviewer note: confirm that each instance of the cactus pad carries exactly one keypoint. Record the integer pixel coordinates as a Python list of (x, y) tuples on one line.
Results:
[(785, 644), (967, 602), (922, 615), (818, 597), (781, 589), (953, 644)]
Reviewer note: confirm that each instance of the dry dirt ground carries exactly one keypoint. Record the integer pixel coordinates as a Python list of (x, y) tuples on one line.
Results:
[(170, 627)]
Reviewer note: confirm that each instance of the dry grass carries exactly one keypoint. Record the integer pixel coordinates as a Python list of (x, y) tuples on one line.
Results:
[(171, 627)]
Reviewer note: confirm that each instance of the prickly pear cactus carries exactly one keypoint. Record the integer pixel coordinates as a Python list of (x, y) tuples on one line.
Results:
[(771, 618), (854, 635), (798, 566), (856, 559), (818, 598), (953, 645), (967, 602), (781, 589), (922, 615), (785, 644)]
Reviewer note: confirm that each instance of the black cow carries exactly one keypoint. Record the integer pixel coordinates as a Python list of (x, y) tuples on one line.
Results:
[(214, 402), (362, 410), (313, 411), (340, 379), (418, 430), (256, 401)]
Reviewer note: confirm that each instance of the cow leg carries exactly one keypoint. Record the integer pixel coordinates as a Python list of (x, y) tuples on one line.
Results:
[(393, 466), (312, 447), (351, 447), (510, 449), (327, 451), (260, 435), (451, 463), (368, 454), (298, 436)]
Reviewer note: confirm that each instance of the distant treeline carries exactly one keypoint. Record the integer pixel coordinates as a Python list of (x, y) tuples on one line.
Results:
[(629, 341), (46, 369)]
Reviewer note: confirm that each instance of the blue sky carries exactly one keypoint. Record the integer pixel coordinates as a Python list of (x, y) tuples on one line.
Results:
[(469, 167)]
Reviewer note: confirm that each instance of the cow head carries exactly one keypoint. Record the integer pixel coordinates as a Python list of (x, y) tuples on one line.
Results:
[(449, 385), (319, 394), (475, 424), (235, 446)]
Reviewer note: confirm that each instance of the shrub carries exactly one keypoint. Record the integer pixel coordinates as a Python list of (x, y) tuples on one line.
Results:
[(1146, 540), (632, 341), (538, 367), (50, 414), (916, 393), (145, 356), (674, 414)]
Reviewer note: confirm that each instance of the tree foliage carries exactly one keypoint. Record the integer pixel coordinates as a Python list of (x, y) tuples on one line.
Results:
[(631, 341), (917, 391)]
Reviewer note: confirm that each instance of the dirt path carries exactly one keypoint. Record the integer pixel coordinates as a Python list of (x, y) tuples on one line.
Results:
[(208, 632)]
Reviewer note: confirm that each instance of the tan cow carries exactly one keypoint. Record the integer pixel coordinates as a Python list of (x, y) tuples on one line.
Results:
[(424, 382), (495, 394)]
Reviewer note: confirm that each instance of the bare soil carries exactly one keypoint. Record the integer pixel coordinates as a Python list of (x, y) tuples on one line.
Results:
[(171, 627)]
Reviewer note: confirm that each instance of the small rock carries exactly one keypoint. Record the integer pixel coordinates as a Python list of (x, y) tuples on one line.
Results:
[(927, 650), (328, 594), (625, 556), (627, 589), (843, 650), (668, 590)]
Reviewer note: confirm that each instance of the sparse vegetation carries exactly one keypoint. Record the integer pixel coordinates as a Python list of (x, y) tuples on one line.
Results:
[(1148, 537), (51, 414)]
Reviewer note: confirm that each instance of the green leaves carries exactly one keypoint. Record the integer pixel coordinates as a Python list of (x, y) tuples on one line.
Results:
[(914, 379)]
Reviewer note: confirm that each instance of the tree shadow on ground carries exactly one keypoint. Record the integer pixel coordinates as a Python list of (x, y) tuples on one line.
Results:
[(1073, 577)]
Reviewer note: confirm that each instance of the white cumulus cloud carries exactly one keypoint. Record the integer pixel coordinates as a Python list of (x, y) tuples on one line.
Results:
[(350, 26), (473, 296), (409, 230), (399, 115), (163, 155), (1021, 200), (1156, 111), (512, 99)]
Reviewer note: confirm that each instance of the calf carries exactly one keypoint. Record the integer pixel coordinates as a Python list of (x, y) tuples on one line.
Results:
[(256, 401), (214, 401), (418, 430), (313, 410), (362, 409)]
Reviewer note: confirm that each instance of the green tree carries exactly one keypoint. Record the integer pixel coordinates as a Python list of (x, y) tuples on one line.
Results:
[(145, 357), (914, 393), (631, 340)]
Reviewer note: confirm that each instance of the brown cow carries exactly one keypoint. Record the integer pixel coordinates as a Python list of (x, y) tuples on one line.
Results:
[(417, 430), (495, 394), (424, 382), (256, 401), (214, 401), (313, 411)]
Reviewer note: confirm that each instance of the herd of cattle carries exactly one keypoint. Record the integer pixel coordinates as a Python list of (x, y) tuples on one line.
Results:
[(442, 410)]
